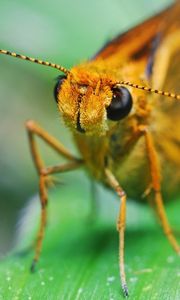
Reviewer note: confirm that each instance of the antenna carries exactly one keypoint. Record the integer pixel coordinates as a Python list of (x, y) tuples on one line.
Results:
[(150, 90), (35, 60)]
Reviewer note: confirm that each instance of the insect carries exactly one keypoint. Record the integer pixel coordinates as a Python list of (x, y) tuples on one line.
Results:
[(121, 120)]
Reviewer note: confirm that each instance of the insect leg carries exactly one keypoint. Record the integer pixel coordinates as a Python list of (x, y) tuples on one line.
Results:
[(155, 175), (34, 129), (120, 226), (44, 172), (94, 204)]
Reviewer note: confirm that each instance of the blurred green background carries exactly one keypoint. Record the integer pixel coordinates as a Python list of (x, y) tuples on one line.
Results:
[(65, 32)]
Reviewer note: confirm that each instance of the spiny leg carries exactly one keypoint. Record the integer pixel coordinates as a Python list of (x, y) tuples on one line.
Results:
[(34, 129), (69, 166), (155, 175), (44, 172), (120, 226), (44, 201)]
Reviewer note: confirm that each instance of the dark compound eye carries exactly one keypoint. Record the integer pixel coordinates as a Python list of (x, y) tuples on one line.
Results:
[(121, 104), (57, 87)]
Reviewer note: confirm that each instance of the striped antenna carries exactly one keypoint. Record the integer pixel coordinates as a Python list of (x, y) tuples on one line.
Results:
[(150, 90), (35, 60)]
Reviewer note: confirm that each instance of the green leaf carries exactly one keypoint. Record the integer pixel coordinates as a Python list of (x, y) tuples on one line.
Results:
[(80, 257)]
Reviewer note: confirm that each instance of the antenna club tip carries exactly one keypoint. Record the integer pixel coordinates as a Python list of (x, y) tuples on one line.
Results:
[(125, 290), (3, 51)]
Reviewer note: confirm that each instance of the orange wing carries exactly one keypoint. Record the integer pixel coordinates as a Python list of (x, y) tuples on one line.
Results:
[(166, 70), (137, 42)]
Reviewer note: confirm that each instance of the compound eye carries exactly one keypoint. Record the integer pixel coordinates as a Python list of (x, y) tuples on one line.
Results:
[(121, 104), (57, 87)]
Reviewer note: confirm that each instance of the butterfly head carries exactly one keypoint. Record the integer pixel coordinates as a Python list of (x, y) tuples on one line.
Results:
[(89, 99)]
